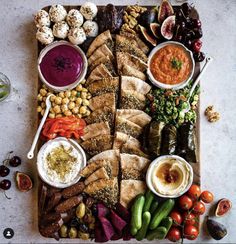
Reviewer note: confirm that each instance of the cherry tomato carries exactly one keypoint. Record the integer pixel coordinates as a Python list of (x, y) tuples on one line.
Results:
[(199, 208), (194, 192), (174, 234), (190, 232), (177, 218), (207, 197), (185, 202), (189, 218)]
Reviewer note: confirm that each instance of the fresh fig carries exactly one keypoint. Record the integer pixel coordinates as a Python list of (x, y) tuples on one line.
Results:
[(23, 182), (147, 17), (155, 29), (164, 11), (216, 229), (147, 36), (223, 207), (167, 27)]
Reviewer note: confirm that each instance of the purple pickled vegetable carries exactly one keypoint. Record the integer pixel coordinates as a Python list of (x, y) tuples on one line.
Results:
[(107, 228), (126, 233), (123, 212), (103, 211), (99, 234), (118, 235), (117, 221)]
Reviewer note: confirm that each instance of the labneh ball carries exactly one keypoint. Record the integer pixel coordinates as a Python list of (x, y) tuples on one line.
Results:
[(77, 35), (61, 29), (44, 35), (90, 28), (74, 18), (42, 18), (89, 10), (57, 13)]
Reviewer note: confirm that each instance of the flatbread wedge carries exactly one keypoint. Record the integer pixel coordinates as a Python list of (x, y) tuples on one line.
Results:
[(138, 117), (124, 58), (105, 114), (96, 129), (94, 165), (122, 138), (128, 127), (104, 100), (97, 144), (112, 156), (103, 38), (133, 166), (98, 73), (104, 86), (105, 190), (132, 100), (124, 44), (129, 189), (102, 51), (100, 173), (132, 149), (128, 70)]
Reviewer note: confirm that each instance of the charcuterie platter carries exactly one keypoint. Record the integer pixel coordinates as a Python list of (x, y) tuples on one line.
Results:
[(119, 149)]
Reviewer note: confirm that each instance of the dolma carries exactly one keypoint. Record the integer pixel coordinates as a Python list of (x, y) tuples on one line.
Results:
[(169, 140), (155, 137), (187, 142)]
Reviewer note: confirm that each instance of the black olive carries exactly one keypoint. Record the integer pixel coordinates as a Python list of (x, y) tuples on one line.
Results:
[(198, 33), (94, 210), (83, 228)]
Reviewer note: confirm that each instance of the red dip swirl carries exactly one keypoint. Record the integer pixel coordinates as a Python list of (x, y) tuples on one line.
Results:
[(62, 65)]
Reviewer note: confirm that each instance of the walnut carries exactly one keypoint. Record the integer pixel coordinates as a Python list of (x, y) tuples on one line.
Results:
[(212, 116)]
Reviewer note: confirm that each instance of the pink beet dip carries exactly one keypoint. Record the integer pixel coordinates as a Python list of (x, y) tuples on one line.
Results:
[(61, 65)]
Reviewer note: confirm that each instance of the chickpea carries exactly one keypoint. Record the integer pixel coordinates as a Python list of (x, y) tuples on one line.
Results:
[(58, 115), (89, 96), (87, 113), (52, 98), (51, 110), (71, 105), (44, 99), (44, 86), (43, 104), (64, 108), (75, 110), (65, 100), (72, 99), (51, 115), (79, 101), (79, 116), (39, 109), (79, 87), (72, 232), (84, 90), (85, 102), (40, 97), (58, 100), (83, 95), (82, 109), (49, 93), (53, 104), (73, 93), (68, 113), (61, 94), (43, 92), (42, 112), (57, 109), (83, 82), (67, 93)]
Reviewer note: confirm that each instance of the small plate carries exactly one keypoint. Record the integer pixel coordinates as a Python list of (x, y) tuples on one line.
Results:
[(42, 151)]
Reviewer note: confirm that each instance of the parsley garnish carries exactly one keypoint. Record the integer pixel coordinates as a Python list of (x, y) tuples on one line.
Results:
[(176, 64)]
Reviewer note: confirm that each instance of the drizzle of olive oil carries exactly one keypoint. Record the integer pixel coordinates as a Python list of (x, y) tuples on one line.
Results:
[(167, 175)]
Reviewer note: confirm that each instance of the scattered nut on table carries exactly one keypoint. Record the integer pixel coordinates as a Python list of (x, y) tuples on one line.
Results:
[(212, 116)]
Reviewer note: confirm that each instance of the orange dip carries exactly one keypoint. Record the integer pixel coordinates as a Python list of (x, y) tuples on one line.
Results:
[(171, 64)]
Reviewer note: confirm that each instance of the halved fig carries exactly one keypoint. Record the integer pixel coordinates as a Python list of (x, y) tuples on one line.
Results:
[(23, 182), (147, 36), (165, 10), (155, 29), (167, 27), (223, 207), (147, 17)]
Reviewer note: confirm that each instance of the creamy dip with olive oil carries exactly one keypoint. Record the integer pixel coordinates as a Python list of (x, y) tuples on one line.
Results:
[(61, 162)]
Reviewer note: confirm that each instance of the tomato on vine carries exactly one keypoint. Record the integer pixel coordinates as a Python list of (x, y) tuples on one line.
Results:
[(206, 197), (190, 232), (189, 218), (174, 234), (177, 218), (199, 208), (185, 202), (194, 192)]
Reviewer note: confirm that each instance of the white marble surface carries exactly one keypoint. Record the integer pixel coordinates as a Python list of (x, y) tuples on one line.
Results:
[(18, 115)]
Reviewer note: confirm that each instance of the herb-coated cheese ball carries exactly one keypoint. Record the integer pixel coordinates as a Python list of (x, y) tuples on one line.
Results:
[(61, 29), (89, 10), (57, 13), (90, 28), (77, 35), (44, 35), (74, 18), (42, 19)]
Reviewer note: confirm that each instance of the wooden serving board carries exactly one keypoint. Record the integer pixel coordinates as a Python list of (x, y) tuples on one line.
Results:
[(196, 166)]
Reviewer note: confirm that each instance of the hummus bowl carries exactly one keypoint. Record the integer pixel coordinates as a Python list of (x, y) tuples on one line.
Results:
[(169, 176), (170, 65), (59, 162)]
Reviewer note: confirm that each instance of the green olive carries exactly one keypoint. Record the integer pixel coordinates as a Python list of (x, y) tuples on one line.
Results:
[(83, 236), (72, 232), (80, 211), (63, 231)]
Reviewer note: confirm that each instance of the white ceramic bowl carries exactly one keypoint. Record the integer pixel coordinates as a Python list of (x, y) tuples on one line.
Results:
[(79, 79), (156, 162), (41, 154), (168, 86)]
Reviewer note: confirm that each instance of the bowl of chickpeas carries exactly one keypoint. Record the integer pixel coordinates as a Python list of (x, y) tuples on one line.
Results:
[(65, 103)]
